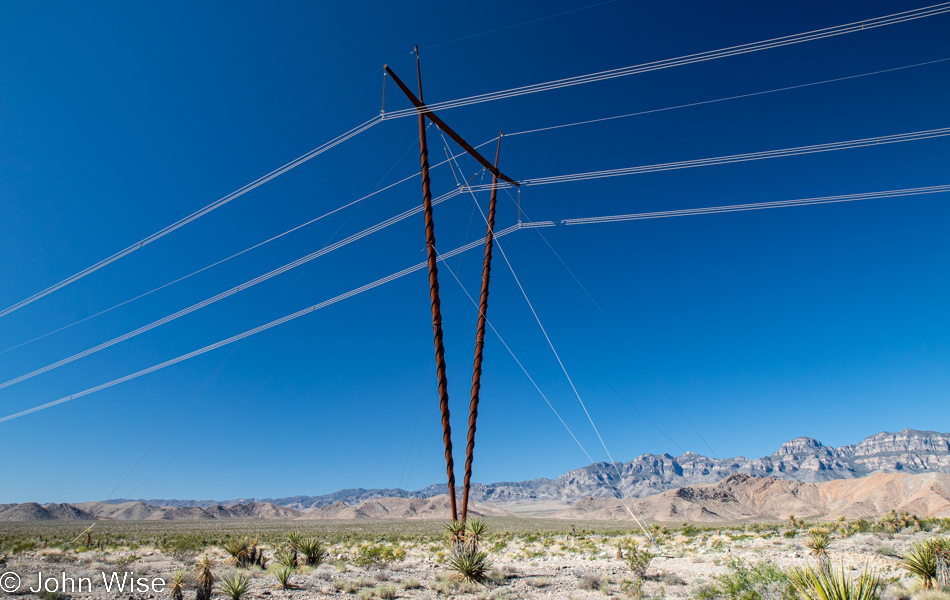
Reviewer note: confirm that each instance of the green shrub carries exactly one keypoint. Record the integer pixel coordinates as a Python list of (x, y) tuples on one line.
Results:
[(744, 582)]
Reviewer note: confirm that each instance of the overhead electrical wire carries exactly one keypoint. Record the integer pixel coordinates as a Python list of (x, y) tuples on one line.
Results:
[(559, 361), (234, 290), (594, 463), (901, 17), (195, 215), (904, 137), (264, 327), (727, 98), (910, 15), (933, 189), (223, 260), (733, 158)]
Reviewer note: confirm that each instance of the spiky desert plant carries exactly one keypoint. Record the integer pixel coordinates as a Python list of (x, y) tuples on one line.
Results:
[(475, 532), (205, 577), (256, 555), (286, 556), (239, 551), (283, 573), (456, 533), (941, 548), (294, 538), (314, 551), (921, 562), (835, 584), (233, 585), (177, 589), (470, 563), (819, 542)]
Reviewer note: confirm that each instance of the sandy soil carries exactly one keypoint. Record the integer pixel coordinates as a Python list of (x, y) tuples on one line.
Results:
[(585, 566)]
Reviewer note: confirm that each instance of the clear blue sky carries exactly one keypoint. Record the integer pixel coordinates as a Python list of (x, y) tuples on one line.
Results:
[(117, 119)]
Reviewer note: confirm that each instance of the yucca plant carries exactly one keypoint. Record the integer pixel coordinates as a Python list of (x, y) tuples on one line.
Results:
[(819, 542), (177, 589), (205, 577), (470, 563), (921, 562), (294, 538), (233, 585), (283, 573), (314, 551), (475, 532), (286, 556), (941, 547), (835, 584), (456, 533), (239, 551)]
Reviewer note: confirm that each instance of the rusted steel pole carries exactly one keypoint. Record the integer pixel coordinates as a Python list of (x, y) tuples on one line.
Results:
[(436, 304), (480, 336), (422, 108)]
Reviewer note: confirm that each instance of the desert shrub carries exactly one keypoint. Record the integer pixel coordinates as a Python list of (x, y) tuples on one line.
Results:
[(411, 584), (590, 582), (637, 560), (896, 591), (886, 551), (537, 582), (835, 584), (233, 585), (364, 594), (386, 592), (633, 589), (673, 579), (761, 581), (377, 555)]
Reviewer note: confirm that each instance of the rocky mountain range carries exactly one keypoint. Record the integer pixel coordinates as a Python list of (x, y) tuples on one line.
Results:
[(802, 459), (743, 498), (908, 470)]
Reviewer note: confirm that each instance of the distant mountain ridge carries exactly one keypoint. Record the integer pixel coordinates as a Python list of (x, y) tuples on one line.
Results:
[(802, 459)]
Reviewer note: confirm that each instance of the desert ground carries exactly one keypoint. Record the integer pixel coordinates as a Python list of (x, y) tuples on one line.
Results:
[(530, 558)]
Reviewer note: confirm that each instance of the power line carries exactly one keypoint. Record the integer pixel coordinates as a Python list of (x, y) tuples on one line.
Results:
[(223, 260), (788, 40), (195, 215), (934, 189), (560, 362), (258, 329), (230, 292), (737, 97), (594, 463), (735, 158)]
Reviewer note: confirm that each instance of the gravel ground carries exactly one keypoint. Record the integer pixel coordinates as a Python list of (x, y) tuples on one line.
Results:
[(551, 566)]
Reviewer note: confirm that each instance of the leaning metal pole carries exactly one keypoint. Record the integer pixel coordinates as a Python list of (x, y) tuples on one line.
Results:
[(436, 304), (480, 338)]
